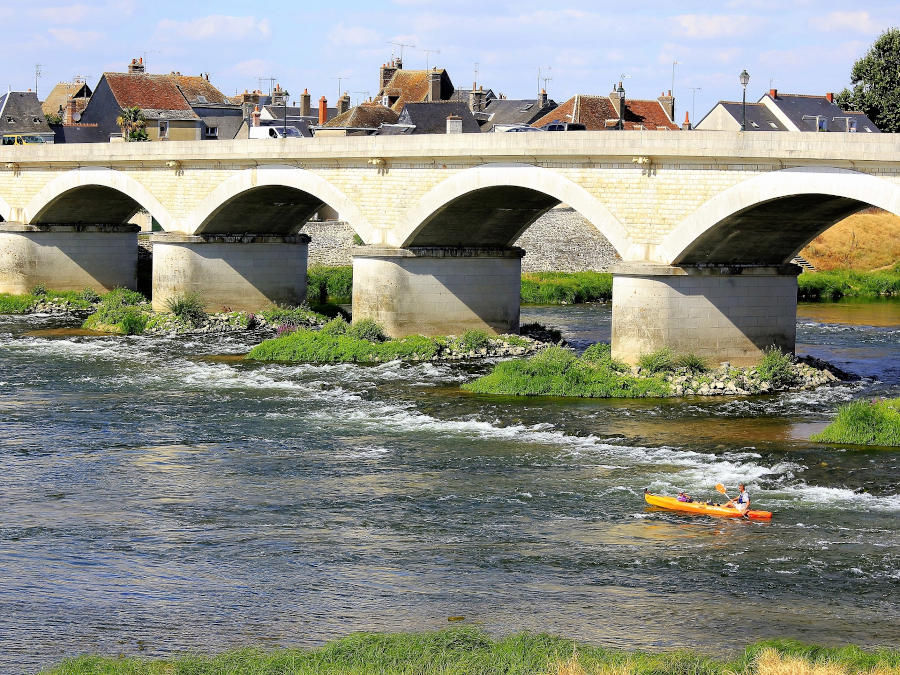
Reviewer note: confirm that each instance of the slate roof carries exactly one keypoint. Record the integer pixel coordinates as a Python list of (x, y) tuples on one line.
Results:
[(80, 133), (463, 95), (759, 117), (157, 96), (412, 86), (20, 113), (431, 117), (367, 115), (61, 93), (514, 111), (796, 107), (597, 113)]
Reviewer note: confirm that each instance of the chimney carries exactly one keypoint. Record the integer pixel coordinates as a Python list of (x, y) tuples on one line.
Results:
[(71, 109), (434, 85), (542, 99), (343, 104), (773, 93), (686, 126), (454, 124), (323, 110), (476, 99), (304, 103), (830, 97), (136, 65), (614, 99), (387, 71), (255, 115), (667, 101), (279, 96)]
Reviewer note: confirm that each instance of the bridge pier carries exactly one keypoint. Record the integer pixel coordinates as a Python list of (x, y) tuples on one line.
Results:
[(723, 313), (67, 257), (239, 271), (437, 290)]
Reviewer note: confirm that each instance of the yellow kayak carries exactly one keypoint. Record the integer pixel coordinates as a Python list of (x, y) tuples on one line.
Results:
[(700, 507)]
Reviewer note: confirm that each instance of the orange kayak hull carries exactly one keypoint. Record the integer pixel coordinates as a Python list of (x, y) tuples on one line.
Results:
[(673, 504)]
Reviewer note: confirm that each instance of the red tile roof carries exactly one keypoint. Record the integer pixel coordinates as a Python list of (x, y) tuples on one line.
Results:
[(193, 87), (597, 113), (148, 92), (412, 86)]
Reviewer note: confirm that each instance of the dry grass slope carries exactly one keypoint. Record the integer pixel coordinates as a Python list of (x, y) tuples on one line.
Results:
[(868, 240)]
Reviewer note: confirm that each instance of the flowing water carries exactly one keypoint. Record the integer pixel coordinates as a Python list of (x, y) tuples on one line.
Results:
[(160, 496)]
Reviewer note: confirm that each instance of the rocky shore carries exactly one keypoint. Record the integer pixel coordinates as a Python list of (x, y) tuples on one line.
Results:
[(727, 380)]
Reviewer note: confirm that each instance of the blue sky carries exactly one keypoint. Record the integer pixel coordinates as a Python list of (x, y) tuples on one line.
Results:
[(803, 46)]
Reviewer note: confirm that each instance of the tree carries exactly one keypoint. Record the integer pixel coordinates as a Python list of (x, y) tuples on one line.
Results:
[(132, 123), (876, 83)]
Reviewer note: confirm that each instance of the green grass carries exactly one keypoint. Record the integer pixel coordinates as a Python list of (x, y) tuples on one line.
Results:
[(469, 651), (16, 304), (558, 372), (125, 310), (188, 307), (776, 367), (837, 284), (556, 288), (20, 304), (334, 284), (865, 423)]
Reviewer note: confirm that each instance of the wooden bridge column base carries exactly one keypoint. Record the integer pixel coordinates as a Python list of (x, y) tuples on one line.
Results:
[(67, 257), (236, 272), (438, 290), (722, 313)]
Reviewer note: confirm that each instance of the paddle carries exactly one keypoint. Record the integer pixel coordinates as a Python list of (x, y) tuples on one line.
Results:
[(721, 488)]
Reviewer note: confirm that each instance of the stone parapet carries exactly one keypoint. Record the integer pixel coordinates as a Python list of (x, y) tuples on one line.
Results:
[(68, 227)]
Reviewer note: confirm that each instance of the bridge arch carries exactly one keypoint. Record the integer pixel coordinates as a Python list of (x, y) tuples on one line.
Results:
[(94, 195), (503, 200), (771, 217), (276, 199), (4, 209)]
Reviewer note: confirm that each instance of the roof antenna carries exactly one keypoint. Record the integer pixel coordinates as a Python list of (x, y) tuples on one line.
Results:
[(401, 45), (37, 73), (428, 53)]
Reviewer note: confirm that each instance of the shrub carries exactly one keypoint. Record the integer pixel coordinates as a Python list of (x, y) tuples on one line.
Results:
[(473, 340), (90, 296), (554, 288), (325, 283), (864, 423), (133, 321), (660, 361), (189, 307), (297, 316), (776, 367), (367, 329), (692, 362), (39, 291), (120, 308), (337, 326)]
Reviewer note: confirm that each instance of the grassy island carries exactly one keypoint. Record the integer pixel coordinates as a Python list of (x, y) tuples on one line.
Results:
[(566, 288), (365, 342), (468, 651), (865, 423), (843, 283), (42, 299)]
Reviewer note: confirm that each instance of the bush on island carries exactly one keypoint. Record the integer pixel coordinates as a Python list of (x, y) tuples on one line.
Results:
[(121, 309), (557, 371), (189, 307), (864, 423), (776, 367)]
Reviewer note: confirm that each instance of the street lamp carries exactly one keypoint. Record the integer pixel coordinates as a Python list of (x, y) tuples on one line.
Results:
[(745, 80), (620, 90)]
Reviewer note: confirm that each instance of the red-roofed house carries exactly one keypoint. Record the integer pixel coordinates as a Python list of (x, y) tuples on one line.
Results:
[(399, 87), (599, 113)]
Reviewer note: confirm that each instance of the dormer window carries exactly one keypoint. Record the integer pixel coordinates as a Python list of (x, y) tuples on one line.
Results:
[(773, 125), (754, 124), (202, 99), (10, 119)]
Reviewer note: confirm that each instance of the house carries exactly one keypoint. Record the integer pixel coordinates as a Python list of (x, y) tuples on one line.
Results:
[(66, 99), (20, 113), (786, 112), (431, 118), (363, 120), (598, 113), (504, 111), (221, 118), (397, 87)]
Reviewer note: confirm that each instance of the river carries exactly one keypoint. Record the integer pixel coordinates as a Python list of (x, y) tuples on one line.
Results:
[(158, 497)]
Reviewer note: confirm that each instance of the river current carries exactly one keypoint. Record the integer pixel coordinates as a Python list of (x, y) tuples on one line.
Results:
[(158, 496)]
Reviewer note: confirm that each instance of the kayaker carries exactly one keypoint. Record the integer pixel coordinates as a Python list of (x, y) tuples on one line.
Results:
[(684, 497), (742, 501)]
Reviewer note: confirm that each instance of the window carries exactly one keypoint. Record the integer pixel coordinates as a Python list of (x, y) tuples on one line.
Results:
[(10, 119), (163, 129), (754, 124), (773, 125), (822, 123), (201, 99), (212, 132)]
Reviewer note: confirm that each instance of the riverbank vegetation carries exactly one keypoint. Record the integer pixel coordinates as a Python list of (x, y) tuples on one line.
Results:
[(843, 283), (875, 422), (332, 284), (566, 288), (365, 342), (468, 651), (41, 299)]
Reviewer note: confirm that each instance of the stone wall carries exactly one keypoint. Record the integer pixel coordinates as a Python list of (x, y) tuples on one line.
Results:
[(560, 240)]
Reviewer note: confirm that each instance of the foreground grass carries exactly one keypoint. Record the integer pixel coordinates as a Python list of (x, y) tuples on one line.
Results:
[(837, 284), (558, 372), (468, 651), (865, 423), (556, 288)]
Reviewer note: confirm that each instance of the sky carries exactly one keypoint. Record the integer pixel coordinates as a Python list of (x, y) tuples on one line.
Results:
[(796, 46)]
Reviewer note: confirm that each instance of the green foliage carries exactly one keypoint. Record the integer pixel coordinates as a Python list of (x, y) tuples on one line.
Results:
[(133, 124), (357, 240), (54, 118), (189, 307), (39, 291), (555, 288), (661, 361), (558, 372), (600, 354), (297, 316), (865, 423), (125, 310), (776, 367), (692, 362), (837, 284), (16, 304), (329, 283), (367, 329), (469, 651), (335, 344), (876, 83), (473, 340), (89, 295)]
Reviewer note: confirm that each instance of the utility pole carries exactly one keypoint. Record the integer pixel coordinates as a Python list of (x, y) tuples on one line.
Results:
[(428, 53), (37, 73)]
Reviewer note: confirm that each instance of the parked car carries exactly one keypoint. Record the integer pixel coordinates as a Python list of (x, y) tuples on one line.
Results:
[(509, 128), (22, 139), (275, 132), (564, 126)]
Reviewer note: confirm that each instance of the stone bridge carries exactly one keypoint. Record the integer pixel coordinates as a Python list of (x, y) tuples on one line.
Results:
[(705, 222)]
